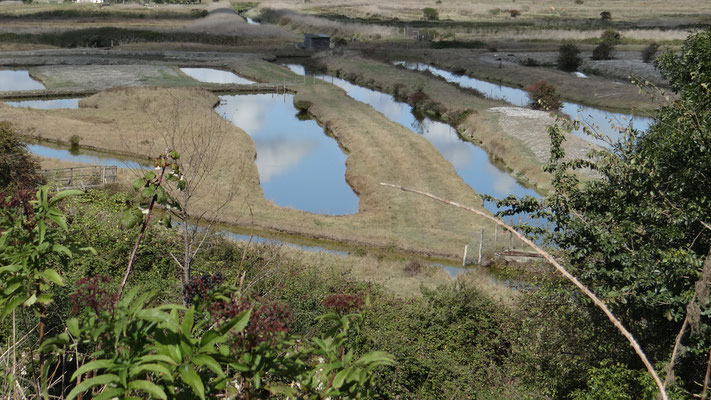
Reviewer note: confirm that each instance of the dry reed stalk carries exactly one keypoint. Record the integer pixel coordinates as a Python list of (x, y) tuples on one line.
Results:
[(616, 322)]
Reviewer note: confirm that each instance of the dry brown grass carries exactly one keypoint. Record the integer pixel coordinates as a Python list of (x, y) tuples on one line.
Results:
[(308, 23), (464, 10)]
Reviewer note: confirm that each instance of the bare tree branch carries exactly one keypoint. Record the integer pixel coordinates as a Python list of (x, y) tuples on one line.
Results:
[(706, 378), (616, 322)]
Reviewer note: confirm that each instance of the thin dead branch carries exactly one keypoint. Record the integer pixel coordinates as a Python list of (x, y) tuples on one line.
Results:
[(616, 322)]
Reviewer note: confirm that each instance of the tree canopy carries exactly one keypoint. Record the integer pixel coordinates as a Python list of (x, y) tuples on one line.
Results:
[(639, 233)]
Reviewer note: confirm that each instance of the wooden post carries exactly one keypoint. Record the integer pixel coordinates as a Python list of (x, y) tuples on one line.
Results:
[(464, 259), (496, 232), (511, 243), (481, 245)]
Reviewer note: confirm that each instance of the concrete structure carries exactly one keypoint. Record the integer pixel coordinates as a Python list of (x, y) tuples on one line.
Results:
[(317, 41)]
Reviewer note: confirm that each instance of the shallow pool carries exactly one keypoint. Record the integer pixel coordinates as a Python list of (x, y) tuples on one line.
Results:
[(299, 165), (211, 75), (11, 80), (86, 157)]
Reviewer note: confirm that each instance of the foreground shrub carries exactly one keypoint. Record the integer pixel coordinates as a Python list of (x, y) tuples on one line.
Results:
[(18, 168), (543, 96), (569, 57)]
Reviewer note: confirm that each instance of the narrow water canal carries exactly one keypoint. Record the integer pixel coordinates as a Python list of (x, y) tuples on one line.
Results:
[(299, 165), (604, 122), (50, 104), (83, 156)]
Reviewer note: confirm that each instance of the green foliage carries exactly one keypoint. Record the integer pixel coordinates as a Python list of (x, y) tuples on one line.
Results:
[(449, 344), (138, 349), (543, 96), (170, 351), (33, 239), (18, 169), (613, 381), (636, 235), (430, 14), (569, 57)]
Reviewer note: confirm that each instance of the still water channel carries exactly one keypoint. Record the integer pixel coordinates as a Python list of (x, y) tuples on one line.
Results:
[(605, 122), (84, 156), (11, 80), (299, 165), (211, 75), (49, 104), (471, 162)]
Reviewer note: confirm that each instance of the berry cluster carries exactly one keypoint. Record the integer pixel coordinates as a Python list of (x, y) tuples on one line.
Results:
[(93, 293), (266, 323), (199, 288), (345, 303), (20, 203)]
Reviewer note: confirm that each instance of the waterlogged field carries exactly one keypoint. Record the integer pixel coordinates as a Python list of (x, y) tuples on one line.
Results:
[(603, 122), (299, 165), (470, 161)]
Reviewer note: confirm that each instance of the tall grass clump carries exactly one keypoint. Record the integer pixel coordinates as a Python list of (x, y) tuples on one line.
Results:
[(430, 14)]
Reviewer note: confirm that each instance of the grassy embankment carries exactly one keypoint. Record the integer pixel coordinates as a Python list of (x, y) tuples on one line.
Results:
[(520, 144), (378, 150), (593, 91)]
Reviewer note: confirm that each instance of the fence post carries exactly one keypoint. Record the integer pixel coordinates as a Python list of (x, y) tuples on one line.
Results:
[(496, 232), (481, 245), (511, 242), (464, 259)]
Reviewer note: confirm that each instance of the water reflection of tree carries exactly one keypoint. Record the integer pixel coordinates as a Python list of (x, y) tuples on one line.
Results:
[(418, 124)]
